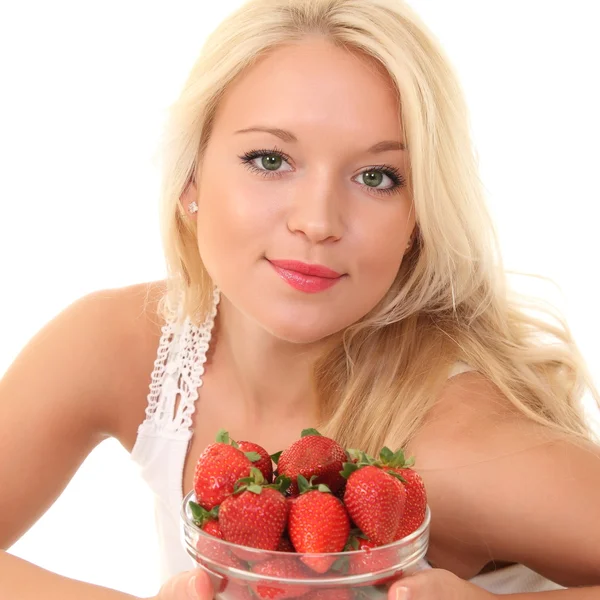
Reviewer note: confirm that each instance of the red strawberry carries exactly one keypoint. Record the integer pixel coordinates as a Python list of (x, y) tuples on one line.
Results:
[(368, 561), (318, 523), (264, 464), (285, 545), (216, 552), (217, 470), (206, 520), (280, 568), (416, 503), (375, 501), (313, 455), (416, 496), (255, 517), (213, 528)]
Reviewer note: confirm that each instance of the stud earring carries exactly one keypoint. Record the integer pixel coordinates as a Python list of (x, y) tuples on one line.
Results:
[(193, 207)]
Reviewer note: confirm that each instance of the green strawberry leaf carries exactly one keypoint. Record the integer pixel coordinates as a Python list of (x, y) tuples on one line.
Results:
[(257, 475), (397, 459), (255, 489), (353, 454), (253, 456), (357, 533), (409, 462), (275, 457), (323, 488), (223, 436), (349, 468), (199, 514), (281, 483), (341, 564), (303, 484), (351, 544), (306, 432), (397, 476), (386, 455)]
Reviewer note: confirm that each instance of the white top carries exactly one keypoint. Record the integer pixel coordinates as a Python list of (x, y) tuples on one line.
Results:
[(163, 440)]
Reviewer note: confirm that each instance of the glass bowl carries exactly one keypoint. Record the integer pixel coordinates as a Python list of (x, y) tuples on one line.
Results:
[(239, 572)]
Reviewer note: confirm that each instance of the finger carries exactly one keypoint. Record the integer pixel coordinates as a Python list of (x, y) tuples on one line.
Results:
[(191, 585)]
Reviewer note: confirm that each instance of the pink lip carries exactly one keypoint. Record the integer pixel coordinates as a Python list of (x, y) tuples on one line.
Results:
[(305, 277)]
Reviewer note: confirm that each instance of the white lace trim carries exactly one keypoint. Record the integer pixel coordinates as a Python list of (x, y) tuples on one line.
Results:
[(177, 374)]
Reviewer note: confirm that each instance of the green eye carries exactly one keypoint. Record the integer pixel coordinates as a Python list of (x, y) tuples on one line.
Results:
[(271, 162), (372, 178)]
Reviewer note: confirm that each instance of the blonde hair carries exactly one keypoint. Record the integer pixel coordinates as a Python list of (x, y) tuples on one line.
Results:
[(450, 300)]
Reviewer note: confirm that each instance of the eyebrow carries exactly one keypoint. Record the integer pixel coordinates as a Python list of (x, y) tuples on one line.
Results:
[(288, 136)]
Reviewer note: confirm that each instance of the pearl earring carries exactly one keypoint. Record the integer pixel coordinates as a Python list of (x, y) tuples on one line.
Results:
[(193, 207)]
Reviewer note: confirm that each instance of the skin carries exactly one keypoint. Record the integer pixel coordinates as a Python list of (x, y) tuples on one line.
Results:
[(501, 488)]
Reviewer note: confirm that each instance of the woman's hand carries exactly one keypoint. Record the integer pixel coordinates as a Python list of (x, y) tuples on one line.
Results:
[(436, 584), (191, 585)]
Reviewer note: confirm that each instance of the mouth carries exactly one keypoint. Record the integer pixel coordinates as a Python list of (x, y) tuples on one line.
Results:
[(309, 278)]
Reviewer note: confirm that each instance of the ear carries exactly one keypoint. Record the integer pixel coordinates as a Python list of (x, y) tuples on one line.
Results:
[(189, 199)]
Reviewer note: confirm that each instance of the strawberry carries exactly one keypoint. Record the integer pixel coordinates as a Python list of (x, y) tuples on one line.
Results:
[(375, 501), (256, 515), (209, 548), (213, 528), (206, 520), (318, 523), (264, 464), (280, 568), (313, 455), (368, 561), (217, 469), (285, 545), (416, 496)]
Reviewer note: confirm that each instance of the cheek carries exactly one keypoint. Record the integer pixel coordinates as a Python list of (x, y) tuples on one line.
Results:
[(233, 224), (382, 249)]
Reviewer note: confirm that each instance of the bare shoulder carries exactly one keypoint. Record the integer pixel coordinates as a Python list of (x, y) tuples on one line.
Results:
[(127, 327), (504, 489), (99, 351)]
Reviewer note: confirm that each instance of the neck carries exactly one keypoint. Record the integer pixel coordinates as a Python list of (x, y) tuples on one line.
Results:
[(266, 375)]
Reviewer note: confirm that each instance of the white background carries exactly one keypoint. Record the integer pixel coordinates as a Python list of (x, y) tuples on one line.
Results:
[(84, 90)]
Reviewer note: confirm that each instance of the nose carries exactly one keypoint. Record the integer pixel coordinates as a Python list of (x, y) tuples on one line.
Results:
[(316, 212)]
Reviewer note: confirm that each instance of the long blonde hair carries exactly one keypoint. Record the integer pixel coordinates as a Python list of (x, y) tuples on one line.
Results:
[(450, 300)]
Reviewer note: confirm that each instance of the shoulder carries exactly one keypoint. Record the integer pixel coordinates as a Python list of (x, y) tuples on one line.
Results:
[(503, 488), (112, 335)]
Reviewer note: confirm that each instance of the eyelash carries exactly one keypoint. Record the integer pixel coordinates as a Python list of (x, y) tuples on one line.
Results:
[(393, 173)]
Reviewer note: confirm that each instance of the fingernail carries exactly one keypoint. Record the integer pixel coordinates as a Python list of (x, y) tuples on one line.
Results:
[(192, 592), (402, 593)]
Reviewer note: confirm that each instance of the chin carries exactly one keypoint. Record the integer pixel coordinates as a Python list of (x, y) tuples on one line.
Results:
[(293, 333), (301, 329)]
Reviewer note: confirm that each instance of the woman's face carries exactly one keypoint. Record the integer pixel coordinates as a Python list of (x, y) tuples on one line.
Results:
[(319, 189)]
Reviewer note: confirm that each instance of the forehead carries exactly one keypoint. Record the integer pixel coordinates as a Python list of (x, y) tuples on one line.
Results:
[(314, 86)]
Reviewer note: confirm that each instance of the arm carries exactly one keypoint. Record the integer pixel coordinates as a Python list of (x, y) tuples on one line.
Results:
[(21, 580), (58, 400), (24, 581), (504, 489)]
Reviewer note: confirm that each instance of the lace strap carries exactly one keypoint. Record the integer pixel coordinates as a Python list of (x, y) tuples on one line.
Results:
[(177, 375)]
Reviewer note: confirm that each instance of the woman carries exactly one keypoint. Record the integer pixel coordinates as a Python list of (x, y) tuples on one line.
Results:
[(331, 263)]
